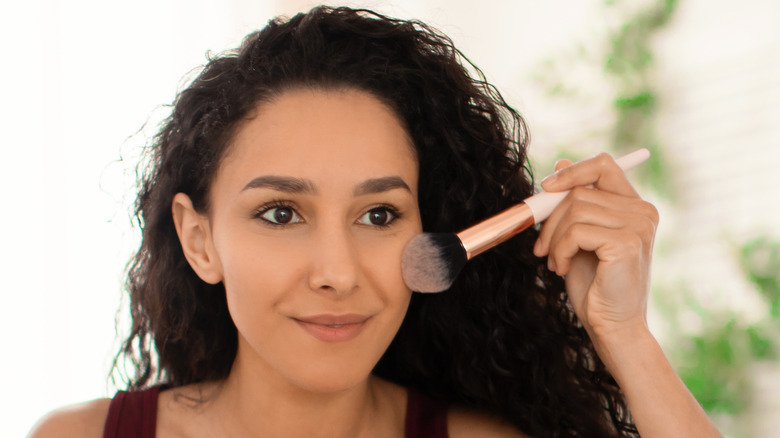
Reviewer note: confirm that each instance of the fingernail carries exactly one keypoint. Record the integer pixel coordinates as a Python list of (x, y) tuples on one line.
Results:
[(537, 247)]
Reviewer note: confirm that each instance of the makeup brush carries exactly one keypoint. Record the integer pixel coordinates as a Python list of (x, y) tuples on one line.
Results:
[(431, 261)]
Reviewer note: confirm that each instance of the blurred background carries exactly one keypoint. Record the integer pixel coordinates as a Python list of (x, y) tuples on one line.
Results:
[(696, 81)]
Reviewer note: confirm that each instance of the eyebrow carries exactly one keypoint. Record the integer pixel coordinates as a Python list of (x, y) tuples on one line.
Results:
[(383, 184), (291, 184), (286, 184)]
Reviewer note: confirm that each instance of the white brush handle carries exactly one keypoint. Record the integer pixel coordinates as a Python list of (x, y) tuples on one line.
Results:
[(542, 204)]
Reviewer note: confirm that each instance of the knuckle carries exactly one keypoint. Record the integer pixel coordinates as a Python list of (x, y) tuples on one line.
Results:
[(642, 234), (573, 231), (604, 159), (649, 227), (647, 217), (652, 212), (578, 193)]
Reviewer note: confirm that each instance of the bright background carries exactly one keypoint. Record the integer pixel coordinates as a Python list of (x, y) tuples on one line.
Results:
[(80, 79)]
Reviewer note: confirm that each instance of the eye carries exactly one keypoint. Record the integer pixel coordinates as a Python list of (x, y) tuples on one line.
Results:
[(279, 215), (379, 216)]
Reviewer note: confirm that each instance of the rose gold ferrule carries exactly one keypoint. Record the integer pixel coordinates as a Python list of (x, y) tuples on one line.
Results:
[(496, 229)]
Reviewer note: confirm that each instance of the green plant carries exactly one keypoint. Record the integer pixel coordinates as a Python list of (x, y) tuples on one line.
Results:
[(625, 58), (760, 261), (715, 363), (628, 65)]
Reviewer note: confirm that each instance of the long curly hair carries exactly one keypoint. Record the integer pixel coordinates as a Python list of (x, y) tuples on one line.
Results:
[(502, 339)]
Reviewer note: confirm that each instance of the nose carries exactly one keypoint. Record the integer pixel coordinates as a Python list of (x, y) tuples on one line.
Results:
[(334, 263)]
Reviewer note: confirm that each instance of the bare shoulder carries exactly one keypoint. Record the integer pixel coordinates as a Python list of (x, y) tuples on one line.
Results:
[(463, 423), (80, 420)]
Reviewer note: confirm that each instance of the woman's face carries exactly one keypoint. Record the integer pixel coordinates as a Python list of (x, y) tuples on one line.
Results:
[(310, 211)]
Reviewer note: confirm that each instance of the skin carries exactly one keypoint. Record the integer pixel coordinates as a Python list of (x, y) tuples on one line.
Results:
[(330, 258)]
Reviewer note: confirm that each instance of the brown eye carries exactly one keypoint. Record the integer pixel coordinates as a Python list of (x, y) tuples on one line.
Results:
[(280, 215), (379, 216)]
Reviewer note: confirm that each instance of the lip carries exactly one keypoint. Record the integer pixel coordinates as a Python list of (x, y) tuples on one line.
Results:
[(333, 328)]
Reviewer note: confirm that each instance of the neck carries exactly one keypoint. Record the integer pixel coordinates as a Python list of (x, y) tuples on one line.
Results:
[(256, 401)]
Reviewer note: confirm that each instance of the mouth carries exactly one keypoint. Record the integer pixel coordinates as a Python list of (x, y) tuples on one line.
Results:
[(333, 328), (333, 320)]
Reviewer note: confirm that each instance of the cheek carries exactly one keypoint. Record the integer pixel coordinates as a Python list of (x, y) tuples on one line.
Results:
[(381, 261), (382, 274), (381, 265), (259, 272)]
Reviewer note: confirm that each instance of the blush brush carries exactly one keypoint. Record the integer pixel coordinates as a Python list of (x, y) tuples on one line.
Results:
[(432, 261)]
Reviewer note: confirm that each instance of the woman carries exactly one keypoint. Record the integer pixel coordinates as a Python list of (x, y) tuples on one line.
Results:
[(267, 296)]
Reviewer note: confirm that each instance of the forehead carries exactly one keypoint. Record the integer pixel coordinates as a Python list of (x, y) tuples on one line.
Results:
[(340, 136)]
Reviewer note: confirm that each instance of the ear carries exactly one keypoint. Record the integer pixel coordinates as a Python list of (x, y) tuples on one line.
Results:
[(194, 231)]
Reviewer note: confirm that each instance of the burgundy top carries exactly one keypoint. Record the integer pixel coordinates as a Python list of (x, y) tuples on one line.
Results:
[(134, 415)]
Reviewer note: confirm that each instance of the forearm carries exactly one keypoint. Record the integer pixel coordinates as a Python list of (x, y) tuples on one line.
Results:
[(660, 403)]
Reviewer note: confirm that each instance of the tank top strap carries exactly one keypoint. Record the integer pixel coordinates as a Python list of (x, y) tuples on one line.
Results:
[(132, 414), (425, 417)]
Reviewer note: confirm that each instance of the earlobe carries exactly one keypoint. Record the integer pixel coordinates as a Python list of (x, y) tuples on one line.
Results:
[(194, 233)]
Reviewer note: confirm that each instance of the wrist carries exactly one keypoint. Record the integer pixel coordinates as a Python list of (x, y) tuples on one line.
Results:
[(619, 334), (620, 346), (660, 403)]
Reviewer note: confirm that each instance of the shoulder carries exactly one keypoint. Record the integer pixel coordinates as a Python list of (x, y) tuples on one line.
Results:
[(80, 420), (464, 423)]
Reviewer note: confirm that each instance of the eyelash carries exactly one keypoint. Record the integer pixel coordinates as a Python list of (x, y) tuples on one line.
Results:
[(262, 211), (392, 211), (276, 203)]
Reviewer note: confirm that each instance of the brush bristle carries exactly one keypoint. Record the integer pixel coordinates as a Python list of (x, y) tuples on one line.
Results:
[(431, 261)]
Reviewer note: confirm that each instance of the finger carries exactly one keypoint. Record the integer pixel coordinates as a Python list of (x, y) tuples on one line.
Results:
[(580, 214), (578, 282), (600, 171), (562, 163), (609, 245), (597, 207), (540, 250), (633, 224)]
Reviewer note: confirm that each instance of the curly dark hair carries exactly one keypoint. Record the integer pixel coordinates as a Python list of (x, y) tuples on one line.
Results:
[(502, 339)]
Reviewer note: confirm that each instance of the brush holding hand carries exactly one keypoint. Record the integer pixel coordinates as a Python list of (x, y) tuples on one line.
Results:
[(600, 238)]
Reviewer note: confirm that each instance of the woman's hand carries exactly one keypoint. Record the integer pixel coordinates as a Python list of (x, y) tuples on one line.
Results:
[(601, 239)]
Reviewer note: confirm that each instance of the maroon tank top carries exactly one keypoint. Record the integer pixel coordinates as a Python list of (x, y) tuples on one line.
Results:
[(134, 415)]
